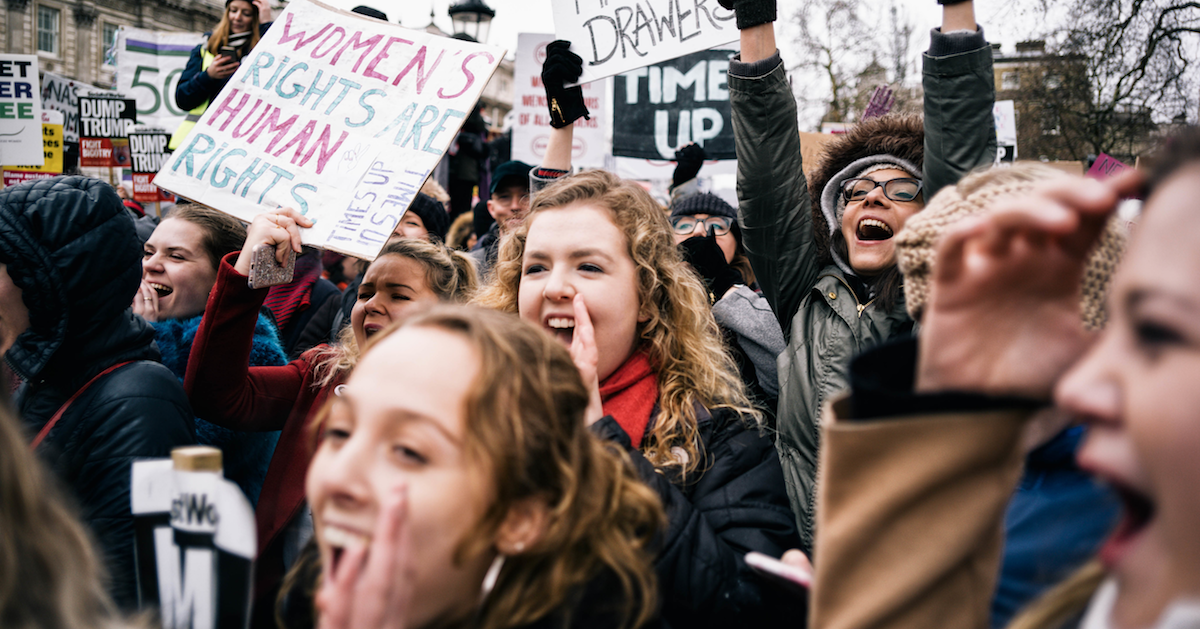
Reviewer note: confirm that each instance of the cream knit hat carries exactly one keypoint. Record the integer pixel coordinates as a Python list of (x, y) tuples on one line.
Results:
[(916, 244)]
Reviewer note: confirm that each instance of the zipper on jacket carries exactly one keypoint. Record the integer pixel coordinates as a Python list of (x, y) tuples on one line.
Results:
[(857, 304)]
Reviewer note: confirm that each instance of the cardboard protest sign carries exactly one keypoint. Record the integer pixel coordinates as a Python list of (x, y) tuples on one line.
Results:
[(615, 36), (148, 67), (62, 94), (668, 105), (20, 110), (531, 122), (1106, 166), (195, 538), (338, 115), (148, 152), (104, 125), (52, 153)]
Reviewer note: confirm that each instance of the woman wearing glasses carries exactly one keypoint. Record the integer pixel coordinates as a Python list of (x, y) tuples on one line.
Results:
[(825, 259), (707, 233)]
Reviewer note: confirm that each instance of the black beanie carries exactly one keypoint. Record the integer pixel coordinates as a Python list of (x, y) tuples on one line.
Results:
[(703, 203), (432, 213)]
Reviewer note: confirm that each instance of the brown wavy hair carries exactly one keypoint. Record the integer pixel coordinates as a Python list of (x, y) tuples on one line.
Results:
[(220, 34), (448, 273), (50, 576), (679, 335), (525, 427)]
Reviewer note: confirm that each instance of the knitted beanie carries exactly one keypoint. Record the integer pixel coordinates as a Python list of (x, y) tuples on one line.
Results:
[(432, 213), (916, 244), (833, 206), (703, 203)]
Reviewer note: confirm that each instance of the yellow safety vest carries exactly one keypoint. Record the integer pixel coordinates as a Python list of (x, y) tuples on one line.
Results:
[(193, 116)]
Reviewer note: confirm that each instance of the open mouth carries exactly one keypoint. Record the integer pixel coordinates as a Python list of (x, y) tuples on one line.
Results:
[(1137, 514), (371, 328), (873, 229), (338, 539), (562, 328), (162, 291)]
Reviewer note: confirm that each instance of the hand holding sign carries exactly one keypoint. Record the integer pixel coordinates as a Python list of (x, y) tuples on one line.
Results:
[(751, 13), (561, 67)]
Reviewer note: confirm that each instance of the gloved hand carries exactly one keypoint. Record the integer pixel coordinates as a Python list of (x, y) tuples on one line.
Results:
[(688, 161), (706, 256), (561, 67), (751, 12)]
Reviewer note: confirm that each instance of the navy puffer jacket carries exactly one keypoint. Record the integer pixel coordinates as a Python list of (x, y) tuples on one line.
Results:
[(70, 247)]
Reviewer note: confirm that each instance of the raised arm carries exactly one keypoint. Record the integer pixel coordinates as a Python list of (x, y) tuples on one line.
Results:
[(775, 211), (220, 384), (960, 133)]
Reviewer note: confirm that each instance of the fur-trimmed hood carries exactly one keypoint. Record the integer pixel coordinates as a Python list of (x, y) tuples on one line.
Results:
[(900, 135)]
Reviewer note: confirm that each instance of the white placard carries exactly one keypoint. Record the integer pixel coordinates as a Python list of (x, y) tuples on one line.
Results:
[(20, 111), (615, 36), (531, 120), (148, 67), (338, 115)]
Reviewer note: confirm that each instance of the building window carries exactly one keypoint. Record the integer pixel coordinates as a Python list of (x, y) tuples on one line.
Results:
[(108, 44), (47, 29), (1010, 80)]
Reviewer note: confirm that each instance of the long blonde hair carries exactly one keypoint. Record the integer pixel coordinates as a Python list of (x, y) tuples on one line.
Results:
[(220, 34), (449, 274), (679, 334), (50, 576), (1065, 601)]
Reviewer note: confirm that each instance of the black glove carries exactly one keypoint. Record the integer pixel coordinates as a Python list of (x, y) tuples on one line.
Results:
[(706, 256), (563, 66), (751, 12), (688, 161)]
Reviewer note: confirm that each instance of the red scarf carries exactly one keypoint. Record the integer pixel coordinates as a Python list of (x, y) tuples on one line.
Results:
[(629, 395)]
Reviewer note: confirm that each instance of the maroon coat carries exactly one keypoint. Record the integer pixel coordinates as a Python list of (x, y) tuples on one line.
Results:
[(224, 390)]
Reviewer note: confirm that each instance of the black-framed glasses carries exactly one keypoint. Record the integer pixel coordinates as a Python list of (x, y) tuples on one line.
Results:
[(684, 225), (902, 189)]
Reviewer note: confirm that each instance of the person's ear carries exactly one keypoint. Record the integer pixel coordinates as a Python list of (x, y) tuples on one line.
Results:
[(523, 526), (490, 210)]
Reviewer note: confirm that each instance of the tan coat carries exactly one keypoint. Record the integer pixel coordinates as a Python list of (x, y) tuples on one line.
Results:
[(911, 514)]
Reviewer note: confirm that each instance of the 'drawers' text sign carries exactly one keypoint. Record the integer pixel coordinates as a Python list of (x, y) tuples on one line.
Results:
[(614, 36), (531, 119), (335, 114), (104, 126), (20, 110), (668, 105)]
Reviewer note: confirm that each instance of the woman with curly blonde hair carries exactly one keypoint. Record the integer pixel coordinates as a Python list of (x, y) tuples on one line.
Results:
[(595, 265)]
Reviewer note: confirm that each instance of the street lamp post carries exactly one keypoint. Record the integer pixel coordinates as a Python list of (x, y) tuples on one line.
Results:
[(472, 18)]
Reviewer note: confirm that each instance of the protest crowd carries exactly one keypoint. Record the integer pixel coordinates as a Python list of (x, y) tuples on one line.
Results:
[(906, 389)]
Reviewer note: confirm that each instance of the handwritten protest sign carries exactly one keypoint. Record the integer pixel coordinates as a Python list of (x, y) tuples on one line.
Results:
[(52, 153), (668, 105), (335, 114), (148, 67), (615, 36), (148, 152), (1106, 166), (104, 125), (531, 123), (20, 110)]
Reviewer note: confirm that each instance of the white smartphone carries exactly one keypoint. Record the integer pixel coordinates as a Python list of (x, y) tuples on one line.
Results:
[(790, 577)]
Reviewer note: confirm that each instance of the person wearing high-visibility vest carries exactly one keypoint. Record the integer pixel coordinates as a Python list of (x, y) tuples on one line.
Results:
[(208, 69)]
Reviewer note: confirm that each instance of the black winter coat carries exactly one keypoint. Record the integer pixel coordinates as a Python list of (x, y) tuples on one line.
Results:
[(70, 247), (735, 502)]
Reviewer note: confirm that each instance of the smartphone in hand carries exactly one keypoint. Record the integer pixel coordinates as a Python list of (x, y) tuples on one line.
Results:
[(229, 51), (266, 271), (788, 576)]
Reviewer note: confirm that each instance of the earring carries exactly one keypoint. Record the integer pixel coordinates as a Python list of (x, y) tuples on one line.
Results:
[(519, 547), (489, 579)]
